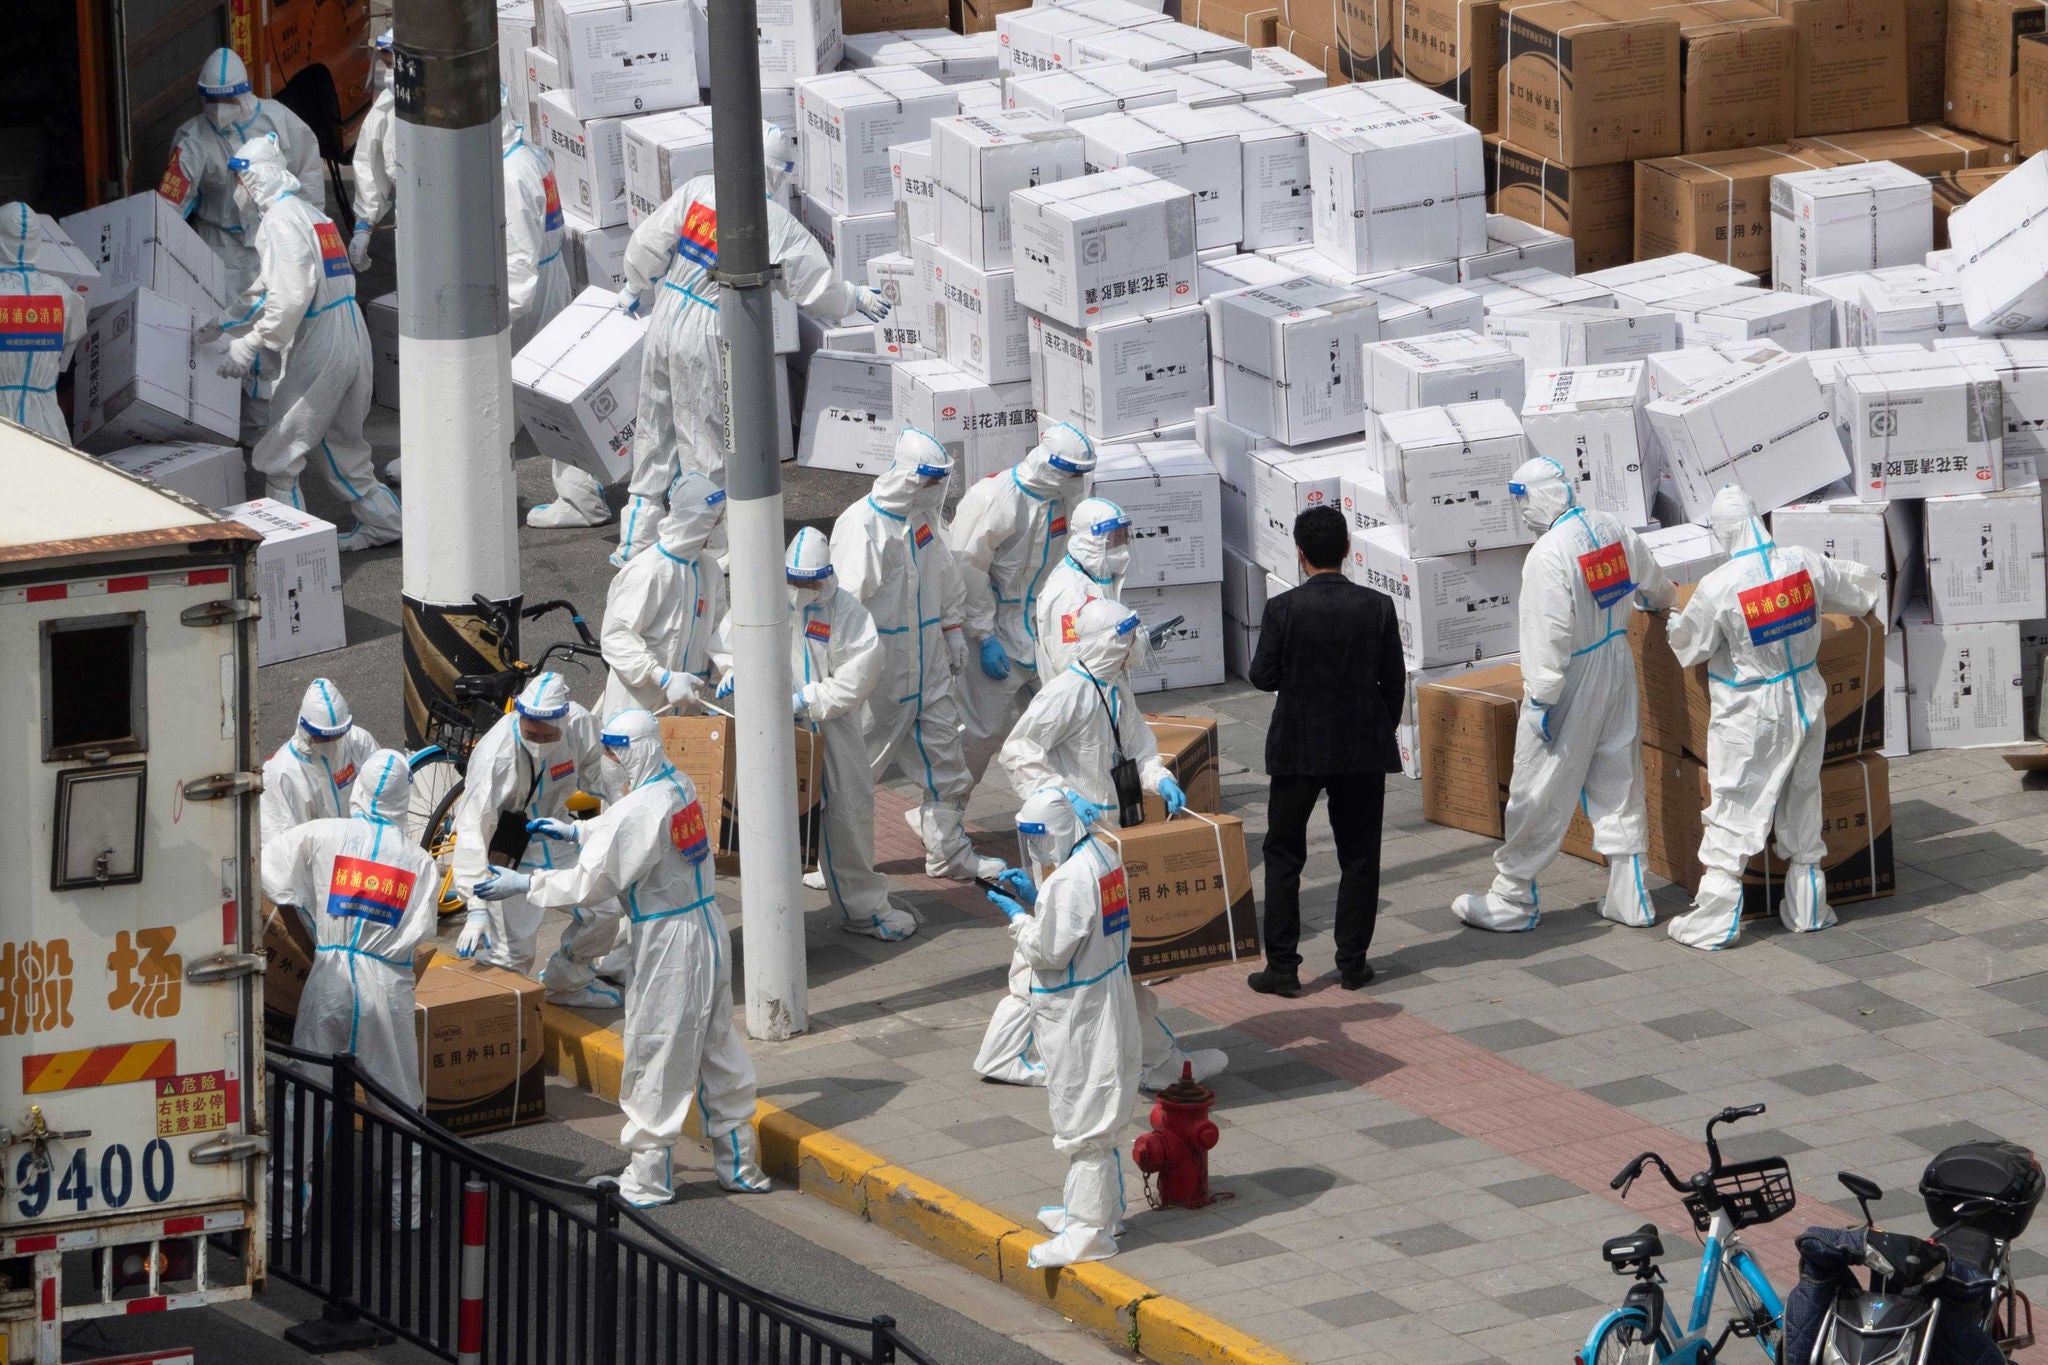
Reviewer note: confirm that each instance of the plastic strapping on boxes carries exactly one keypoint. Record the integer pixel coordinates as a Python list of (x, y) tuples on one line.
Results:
[(1223, 874), (518, 1043)]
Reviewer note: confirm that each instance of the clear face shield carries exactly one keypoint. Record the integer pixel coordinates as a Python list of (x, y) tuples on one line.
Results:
[(1518, 494), (1038, 850)]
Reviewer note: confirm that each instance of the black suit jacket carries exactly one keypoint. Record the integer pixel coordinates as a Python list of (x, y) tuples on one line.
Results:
[(1332, 650)]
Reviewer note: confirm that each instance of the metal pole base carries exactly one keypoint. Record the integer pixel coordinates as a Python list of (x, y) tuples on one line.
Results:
[(338, 1328)]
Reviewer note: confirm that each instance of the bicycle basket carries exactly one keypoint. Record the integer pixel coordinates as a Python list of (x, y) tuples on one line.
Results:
[(452, 727), (1752, 1192)]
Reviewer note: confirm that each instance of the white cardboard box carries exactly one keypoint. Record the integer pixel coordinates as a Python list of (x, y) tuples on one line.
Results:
[(1286, 483), (1433, 371), (1303, 258), (516, 33), (1302, 77), (1965, 684), (850, 240), (938, 52), (1741, 312), (1288, 361), (1104, 246), (1273, 169), (1157, 47), (1042, 39), (210, 475), (2022, 366), (141, 243), (1366, 101), (1218, 271), (801, 38), (1169, 490), (623, 56), (895, 277), (662, 151), (1559, 338), (1413, 305), (849, 418), (1687, 553), (979, 161), (914, 188), (1766, 427), (1447, 471), (1123, 378), (1512, 244), (1845, 292), (1191, 655), (380, 320), (596, 255), (1883, 536), (1668, 374), (987, 428), (1399, 192), (1913, 304), (1223, 84), (850, 120), (542, 73), (1532, 289), (1065, 96), (1654, 281), (1925, 432), (1244, 587), (977, 321), (1453, 608), (2001, 241), (1240, 646), (298, 579), (1366, 508), (1985, 557), (142, 379), (1898, 687), (1587, 420), (1180, 146), (576, 385), (589, 157), (1856, 217), (57, 254)]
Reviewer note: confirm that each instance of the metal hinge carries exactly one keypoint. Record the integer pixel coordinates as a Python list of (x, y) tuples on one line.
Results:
[(221, 611), (240, 1147), (218, 786), (226, 967)]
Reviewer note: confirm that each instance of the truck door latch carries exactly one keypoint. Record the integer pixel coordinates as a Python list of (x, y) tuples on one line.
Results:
[(225, 967), (238, 1147), (219, 786), (221, 611)]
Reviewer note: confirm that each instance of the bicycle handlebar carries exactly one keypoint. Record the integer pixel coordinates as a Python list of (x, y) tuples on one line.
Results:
[(1634, 1170), (540, 609)]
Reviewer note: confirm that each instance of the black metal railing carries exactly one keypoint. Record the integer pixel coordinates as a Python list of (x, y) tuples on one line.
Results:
[(574, 1275)]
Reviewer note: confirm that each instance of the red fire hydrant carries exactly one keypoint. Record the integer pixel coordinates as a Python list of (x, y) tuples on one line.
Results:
[(1177, 1148)]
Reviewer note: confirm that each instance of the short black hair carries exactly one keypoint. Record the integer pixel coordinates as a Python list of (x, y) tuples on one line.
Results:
[(1322, 537)]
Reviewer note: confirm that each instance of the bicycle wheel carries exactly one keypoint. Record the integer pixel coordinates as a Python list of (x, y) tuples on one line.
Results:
[(1620, 1341), (430, 817), (1749, 1307)]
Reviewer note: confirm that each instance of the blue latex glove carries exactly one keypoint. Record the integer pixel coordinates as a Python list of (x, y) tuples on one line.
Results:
[(1084, 809), (1542, 721), (724, 688), (476, 934), (563, 831), (1003, 903), (1020, 884), (1169, 791), (995, 660), (503, 884)]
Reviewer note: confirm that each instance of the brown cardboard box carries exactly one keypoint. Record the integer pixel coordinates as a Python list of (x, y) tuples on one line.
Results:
[(1738, 59), (1248, 21), (289, 949), (1983, 63), (1453, 47), (1853, 64), (1923, 148), (1190, 890), (1663, 689), (479, 1034), (701, 748), (979, 16), (879, 16), (1593, 205), (2031, 122), (1335, 63), (1926, 60), (1953, 189), (1589, 82), (1467, 737), (1187, 745), (1362, 31)]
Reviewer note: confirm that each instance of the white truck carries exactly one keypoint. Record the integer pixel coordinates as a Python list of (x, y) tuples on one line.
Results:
[(132, 1155)]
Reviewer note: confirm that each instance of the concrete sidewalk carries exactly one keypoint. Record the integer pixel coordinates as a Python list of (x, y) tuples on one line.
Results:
[(1418, 1172)]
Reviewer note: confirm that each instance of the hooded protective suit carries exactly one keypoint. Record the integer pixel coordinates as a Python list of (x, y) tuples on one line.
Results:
[(376, 158), (40, 321), (652, 848), (1007, 534), (1075, 942), (311, 774), (1755, 621), (677, 425), (890, 553), (1576, 741), (198, 180), (663, 609), (304, 306), (511, 775), (1098, 555)]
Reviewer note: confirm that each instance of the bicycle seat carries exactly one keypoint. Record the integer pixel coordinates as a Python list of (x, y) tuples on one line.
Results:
[(1644, 1244)]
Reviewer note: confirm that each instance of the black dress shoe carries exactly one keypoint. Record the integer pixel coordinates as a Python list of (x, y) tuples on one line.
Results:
[(1355, 978), (1270, 982)]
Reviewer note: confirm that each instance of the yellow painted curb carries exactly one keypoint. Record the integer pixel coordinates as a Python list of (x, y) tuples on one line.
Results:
[(926, 1214)]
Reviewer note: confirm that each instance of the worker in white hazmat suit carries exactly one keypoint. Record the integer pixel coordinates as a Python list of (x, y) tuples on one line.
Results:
[(1007, 534), (41, 319), (376, 158), (1577, 737), (662, 611), (677, 424), (1755, 622), (652, 849), (1070, 913), (524, 770), (311, 774), (304, 307), (889, 551), (1097, 558)]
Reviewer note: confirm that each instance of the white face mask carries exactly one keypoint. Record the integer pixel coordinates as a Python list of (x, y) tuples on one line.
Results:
[(223, 113), (244, 203)]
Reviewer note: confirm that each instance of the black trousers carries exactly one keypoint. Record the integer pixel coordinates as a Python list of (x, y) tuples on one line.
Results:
[(1357, 802)]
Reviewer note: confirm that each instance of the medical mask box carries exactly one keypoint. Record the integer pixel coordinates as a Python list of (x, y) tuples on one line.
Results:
[(1042, 39), (1415, 305), (589, 158), (1592, 205), (380, 321), (977, 321), (849, 120), (876, 16), (142, 243), (1465, 734), (1882, 536), (1408, 729), (623, 56), (1561, 338), (799, 39), (540, 73), (1220, 271), (1742, 313), (940, 53), (1273, 171), (1685, 552), (849, 420), (850, 240), (1512, 244), (1966, 689), (1856, 217), (1188, 748), (914, 191), (141, 378), (1716, 204), (1983, 63), (1169, 491), (1277, 62), (1985, 557), (1587, 420), (1181, 147), (1436, 371), (1288, 359), (1114, 244), (1664, 689), (1191, 654), (895, 277), (1286, 483), (210, 475), (1156, 47), (1452, 608), (480, 1047), (298, 578), (1067, 96), (1453, 53), (576, 386), (1244, 587), (58, 255), (980, 161), (1123, 378), (702, 748), (1767, 428), (2001, 238), (1587, 83), (1447, 471), (1925, 432), (1398, 192), (1651, 283), (663, 152), (1225, 84), (1533, 289), (1189, 889), (596, 255)]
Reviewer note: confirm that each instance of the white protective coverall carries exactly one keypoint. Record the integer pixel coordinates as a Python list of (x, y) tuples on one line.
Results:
[(1075, 941), (512, 775), (1007, 534), (304, 306), (677, 425), (889, 550), (1755, 621), (662, 611), (1098, 555), (376, 158), (1576, 742), (311, 774), (40, 321), (652, 848)]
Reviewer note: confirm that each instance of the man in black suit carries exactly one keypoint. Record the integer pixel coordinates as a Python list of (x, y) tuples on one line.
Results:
[(1332, 650)]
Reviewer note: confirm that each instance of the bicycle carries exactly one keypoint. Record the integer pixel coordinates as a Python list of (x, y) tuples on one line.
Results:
[(1723, 1199), (440, 767)]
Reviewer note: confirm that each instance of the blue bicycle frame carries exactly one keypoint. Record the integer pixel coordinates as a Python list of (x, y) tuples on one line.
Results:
[(1723, 1245)]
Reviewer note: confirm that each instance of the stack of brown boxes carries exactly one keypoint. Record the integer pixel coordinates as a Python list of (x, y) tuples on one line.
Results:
[(1349, 40)]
